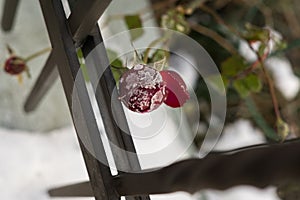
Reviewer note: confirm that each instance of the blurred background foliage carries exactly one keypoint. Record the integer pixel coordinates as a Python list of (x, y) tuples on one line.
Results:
[(220, 26), (230, 30), (242, 37)]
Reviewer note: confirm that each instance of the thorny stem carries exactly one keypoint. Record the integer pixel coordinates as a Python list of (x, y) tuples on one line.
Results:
[(270, 83), (215, 36), (272, 90), (212, 34), (9, 49), (251, 68), (37, 54)]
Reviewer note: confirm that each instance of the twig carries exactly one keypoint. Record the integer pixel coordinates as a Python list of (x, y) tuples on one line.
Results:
[(250, 69), (37, 54), (219, 19), (291, 19), (270, 83), (215, 36)]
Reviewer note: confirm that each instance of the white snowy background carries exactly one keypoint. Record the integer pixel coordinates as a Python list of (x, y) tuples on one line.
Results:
[(34, 159)]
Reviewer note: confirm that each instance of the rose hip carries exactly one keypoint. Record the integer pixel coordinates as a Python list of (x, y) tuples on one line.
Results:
[(142, 89), (176, 89), (14, 65)]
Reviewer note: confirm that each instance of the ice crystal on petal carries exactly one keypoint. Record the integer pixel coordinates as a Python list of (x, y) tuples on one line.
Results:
[(142, 89)]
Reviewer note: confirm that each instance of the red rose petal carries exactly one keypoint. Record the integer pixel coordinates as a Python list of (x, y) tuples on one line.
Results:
[(176, 89)]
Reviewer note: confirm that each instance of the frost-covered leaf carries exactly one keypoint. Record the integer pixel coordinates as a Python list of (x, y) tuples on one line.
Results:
[(160, 65)]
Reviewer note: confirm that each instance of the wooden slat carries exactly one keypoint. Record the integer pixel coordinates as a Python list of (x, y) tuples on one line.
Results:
[(103, 83), (9, 14), (47, 77), (84, 17), (76, 92)]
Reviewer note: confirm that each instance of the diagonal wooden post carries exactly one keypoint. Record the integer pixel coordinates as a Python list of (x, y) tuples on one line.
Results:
[(69, 70)]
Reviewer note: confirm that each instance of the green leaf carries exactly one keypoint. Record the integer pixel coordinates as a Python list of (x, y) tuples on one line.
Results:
[(80, 54), (159, 59), (158, 55), (255, 33), (245, 86), (232, 66), (241, 88), (225, 81), (113, 58), (253, 83), (134, 22), (261, 49), (117, 67)]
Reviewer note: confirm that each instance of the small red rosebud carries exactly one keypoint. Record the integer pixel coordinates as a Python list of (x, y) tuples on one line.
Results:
[(14, 65), (176, 89), (142, 89)]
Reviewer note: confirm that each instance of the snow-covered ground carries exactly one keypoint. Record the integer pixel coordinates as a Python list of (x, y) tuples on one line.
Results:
[(31, 163)]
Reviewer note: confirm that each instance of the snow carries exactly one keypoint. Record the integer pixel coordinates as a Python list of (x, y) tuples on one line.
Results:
[(284, 78), (244, 193), (28, 36), (32, 163), (239, 134)]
